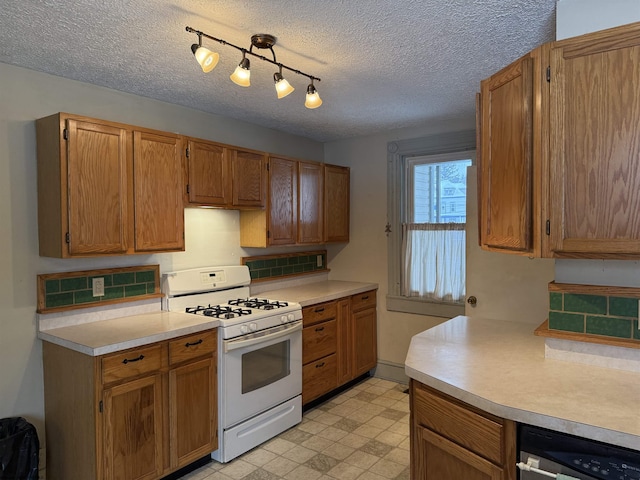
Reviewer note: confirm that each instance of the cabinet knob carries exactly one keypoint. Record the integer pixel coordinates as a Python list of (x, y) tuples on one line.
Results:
[(472, 301)]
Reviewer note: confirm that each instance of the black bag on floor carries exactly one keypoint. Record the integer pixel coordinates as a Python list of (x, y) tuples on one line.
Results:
[(19, 449)]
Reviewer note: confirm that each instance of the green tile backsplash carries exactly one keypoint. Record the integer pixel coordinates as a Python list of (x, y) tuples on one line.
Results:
[(77, 290), (598, 314), (288, 264)]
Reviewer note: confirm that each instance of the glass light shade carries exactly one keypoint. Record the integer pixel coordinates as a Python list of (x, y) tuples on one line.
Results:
[(205, 57), (313, 100), (283, 88), (242, 75)]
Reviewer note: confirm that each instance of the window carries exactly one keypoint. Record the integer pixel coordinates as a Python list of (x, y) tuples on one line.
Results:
[(427, 215)]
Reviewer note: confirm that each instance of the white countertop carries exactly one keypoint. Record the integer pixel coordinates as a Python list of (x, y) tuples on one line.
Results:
[(500, 367), (107, 336), (318, 292)]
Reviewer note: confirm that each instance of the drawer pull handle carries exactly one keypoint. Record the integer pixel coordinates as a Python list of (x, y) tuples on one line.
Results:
[(319, 329), (319, 310), (126, 360), (320, 365), (365, 297), (193, 344)]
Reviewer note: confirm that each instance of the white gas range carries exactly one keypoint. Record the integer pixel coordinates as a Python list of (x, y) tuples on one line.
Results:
[(259, 353)]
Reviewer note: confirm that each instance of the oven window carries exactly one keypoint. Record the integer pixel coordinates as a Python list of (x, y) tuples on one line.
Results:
[(265, 366)]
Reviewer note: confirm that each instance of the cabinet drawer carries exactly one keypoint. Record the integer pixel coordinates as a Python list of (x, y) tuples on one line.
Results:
[(193, 346), (131, 363), (319, 340), (319, 377), (318, 313), (363, 300), (473, 431)]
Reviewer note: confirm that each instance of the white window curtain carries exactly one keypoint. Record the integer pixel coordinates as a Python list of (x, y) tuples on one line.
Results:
[(434, 261)]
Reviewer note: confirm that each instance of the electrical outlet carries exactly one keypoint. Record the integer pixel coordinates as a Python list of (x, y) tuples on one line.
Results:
[(319, 260), (98, 287)]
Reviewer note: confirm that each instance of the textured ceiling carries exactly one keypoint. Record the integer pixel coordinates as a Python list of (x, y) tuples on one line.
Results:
[(384, 64)]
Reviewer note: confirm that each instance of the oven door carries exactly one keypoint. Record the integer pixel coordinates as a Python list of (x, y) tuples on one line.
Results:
[(259, 371)]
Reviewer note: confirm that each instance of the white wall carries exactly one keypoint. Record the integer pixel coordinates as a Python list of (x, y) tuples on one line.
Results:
[(212, 236), (364, 258)]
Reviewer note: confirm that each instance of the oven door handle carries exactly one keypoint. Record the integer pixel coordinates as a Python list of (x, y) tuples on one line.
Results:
[(260, 337)]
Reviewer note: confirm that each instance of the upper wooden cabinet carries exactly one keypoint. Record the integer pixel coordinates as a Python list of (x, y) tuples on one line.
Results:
[(595, 144), (107, 189), (336, 203), (300, 196), (558, 167), (511, 159), (224, 176)]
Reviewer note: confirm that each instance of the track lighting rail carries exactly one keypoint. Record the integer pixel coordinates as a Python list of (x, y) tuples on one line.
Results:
[(250, 52)]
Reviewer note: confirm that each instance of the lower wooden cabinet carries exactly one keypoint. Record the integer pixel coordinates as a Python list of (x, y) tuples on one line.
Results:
[(451, 440), (138, 414), (339, 343)]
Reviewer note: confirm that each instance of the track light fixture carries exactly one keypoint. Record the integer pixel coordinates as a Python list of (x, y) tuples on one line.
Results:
[(242, 74)]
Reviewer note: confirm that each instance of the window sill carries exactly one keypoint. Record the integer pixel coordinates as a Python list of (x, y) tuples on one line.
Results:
[(424, 307)]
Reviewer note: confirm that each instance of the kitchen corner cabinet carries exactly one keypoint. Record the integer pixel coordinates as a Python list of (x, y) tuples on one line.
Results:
[(451, 440), (305, 206), (513, 155), (336, 203), (107, 189), (224, 176), (137, 414), (559, 175), (339, 343)]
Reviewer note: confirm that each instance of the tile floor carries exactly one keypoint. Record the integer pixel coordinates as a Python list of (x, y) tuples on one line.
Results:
[(362, 433)]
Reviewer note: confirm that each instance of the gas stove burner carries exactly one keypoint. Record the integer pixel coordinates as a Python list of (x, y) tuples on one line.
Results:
[(219, 311), (259, 303)]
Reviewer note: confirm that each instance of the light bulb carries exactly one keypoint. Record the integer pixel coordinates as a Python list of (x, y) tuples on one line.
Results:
[(313, 100), (242, 75), (205, 57)]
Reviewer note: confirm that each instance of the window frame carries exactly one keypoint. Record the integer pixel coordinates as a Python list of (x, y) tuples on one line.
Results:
[(399, 154)]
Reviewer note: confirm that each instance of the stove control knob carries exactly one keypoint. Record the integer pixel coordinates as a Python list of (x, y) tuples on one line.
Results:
[(253, 327), (283, 319), (244, 329), (291, 317)]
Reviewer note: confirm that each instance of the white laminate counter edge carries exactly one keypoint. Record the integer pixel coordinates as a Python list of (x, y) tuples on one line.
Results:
[(499, 367), (113, 335), (319, 292)]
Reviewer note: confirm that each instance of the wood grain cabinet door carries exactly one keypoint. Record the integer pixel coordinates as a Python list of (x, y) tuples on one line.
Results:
[(365, 341), (336, 203), (249, 178), (133, 430), (192, 411), (283, 193), (595, 144), (96, 188), (310, 202), (506, 189), (157, 186), (209, 176)]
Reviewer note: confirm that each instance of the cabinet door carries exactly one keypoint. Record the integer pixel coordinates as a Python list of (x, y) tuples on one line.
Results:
[(318, 378), (336, 203), (445, 460), (157, 184), (595, 144), (249, 178), (283, 193), (193, 411), (319, 340), (133, 430), (506, 195), (96, 188), (345, 342), (209, 176), (365, 349), (310, 202)]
